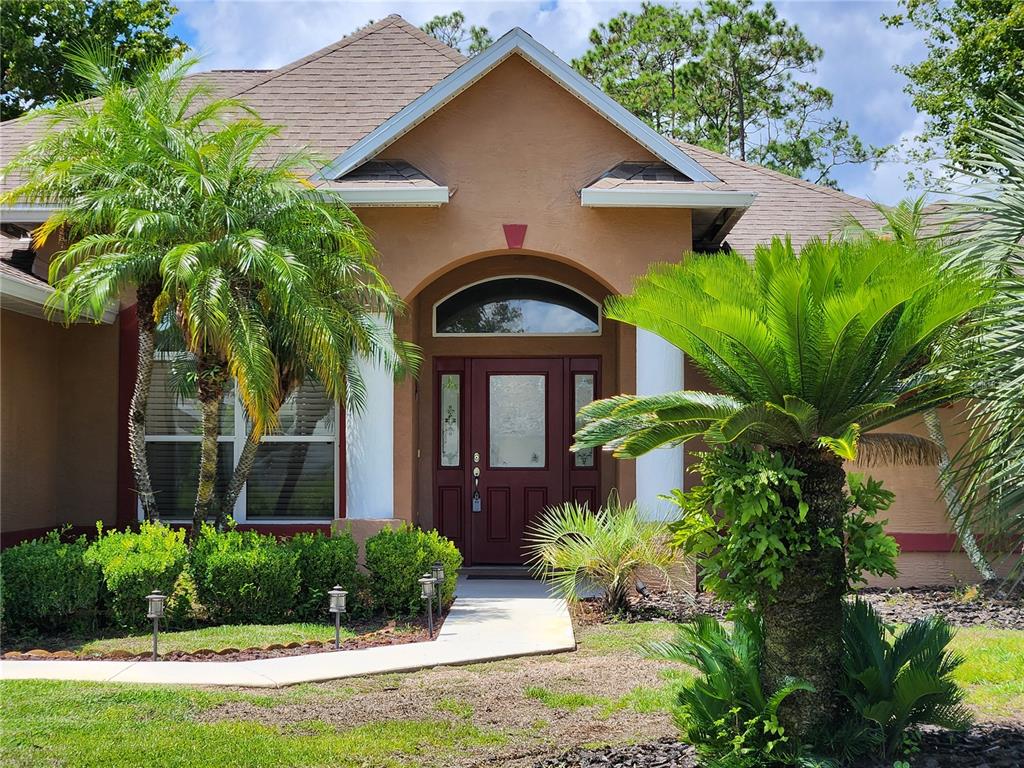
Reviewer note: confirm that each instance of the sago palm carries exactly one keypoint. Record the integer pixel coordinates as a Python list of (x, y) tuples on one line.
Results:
[(810, 353), (910, 223), (97, 162)]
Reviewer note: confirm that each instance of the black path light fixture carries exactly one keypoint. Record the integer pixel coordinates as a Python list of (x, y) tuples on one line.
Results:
[(427, 584), (336, 606), (437, 571), (155, 611)]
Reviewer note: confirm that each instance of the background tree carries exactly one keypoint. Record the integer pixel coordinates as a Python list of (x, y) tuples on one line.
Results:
[(100, 165), (811, 352), (975, 53), (451, 30), (724, 75), (37, 35)]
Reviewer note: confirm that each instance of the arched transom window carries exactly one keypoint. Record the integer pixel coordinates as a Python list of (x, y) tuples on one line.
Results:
[(517, 306)]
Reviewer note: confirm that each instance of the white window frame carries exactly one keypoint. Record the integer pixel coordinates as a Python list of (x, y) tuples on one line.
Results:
[(238, 440)]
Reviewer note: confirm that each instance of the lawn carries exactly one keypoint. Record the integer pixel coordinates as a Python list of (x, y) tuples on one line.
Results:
[(507, 713), (216, 638)]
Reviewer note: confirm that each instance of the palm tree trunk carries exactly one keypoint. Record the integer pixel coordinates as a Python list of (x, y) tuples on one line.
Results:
[(803, 618), (243, 467), (140, 398), (954, 506), (212, 380)]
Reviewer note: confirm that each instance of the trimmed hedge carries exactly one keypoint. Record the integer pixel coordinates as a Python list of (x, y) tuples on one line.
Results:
[(133, 564), (231, 577), (397, 558), (47, 585), (323, 562)]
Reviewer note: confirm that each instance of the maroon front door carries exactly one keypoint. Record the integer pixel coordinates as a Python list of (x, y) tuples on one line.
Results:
[(504, 430)]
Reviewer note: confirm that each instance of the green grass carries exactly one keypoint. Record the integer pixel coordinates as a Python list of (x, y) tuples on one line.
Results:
[(87, 725), (616, 638), (993, 672), (217, 638), (642, 699)]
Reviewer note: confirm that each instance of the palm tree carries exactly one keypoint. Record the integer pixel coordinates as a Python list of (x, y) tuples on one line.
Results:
[(97, 161), (906, 223), (350, 292), (810, 353), (258, 255), (990, 225)]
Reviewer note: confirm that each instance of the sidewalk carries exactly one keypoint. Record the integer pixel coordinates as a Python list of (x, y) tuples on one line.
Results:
[(490, 619)]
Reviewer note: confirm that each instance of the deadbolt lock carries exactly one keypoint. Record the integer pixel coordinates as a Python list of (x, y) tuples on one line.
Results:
[(476, 458)]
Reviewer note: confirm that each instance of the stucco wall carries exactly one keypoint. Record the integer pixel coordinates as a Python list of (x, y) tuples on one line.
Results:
[(58, 417), (515, 148)]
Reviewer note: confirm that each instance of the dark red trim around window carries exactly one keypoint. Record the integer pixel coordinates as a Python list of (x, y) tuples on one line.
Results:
[(128, 346)]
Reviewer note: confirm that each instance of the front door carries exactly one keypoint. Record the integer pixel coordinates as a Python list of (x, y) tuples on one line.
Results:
[(504, 430)]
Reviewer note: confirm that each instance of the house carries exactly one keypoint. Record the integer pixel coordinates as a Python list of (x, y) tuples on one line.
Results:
[(508, 197)]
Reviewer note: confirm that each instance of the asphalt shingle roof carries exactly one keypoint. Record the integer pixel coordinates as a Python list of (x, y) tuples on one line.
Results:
[(330, 99)]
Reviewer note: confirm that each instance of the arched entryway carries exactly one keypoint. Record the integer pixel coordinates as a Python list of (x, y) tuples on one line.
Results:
[(513, 345)]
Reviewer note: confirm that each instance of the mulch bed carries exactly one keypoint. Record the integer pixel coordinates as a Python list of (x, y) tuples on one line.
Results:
[(390, 634), (894, 605), (984, 746)]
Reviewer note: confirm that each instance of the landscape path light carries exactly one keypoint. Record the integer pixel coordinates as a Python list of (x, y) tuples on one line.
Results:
[(437, 571), (427, 593), (337, 607), (155, 611)]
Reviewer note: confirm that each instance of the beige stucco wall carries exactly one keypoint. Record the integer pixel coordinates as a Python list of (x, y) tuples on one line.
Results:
[(515, 148), (58, 419)]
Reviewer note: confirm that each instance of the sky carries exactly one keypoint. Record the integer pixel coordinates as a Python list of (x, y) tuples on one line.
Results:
[(860, 52)]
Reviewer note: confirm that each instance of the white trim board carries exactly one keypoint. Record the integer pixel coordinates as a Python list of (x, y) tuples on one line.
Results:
[(26, 214), (665, 198), (383, 196), (516, 41), (30, 299)]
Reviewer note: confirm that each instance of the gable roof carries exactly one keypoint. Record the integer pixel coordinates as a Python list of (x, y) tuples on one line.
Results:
[(338, 100), (516, 41)]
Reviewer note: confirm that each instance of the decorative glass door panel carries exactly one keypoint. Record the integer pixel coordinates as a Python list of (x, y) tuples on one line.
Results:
[(517, 433)]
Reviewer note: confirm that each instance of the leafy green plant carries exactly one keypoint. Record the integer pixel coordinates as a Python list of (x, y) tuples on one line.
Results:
[(746, 524), (397, 558), (575, 549), (244, 577), (898, 679), (724, 711), (48, 585), (324, 561), (134, 563)]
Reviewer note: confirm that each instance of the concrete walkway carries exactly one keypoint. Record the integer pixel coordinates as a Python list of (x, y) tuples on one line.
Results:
[(490, 619)]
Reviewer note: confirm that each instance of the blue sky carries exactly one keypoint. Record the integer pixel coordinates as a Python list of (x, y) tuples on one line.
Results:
[(860, 51)]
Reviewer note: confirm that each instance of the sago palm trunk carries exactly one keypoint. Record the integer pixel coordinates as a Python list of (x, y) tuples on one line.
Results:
[(803, 618), (140, 398), (211, 386), (954, 506)]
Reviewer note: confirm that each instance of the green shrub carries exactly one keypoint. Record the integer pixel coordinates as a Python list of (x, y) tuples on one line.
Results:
[(397, 558), (48, 586), (896, 680), (324, 561), (133, 564), (245, 577), (724, 712), (575, 549)]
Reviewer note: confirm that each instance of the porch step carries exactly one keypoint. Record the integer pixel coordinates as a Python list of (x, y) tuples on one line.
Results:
[(496, 572)]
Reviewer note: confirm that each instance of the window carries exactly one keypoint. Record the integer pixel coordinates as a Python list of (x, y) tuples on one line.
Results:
[(296, 465), (517, 306)]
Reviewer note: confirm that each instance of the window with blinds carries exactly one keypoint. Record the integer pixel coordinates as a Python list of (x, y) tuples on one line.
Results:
[(296, 466)]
